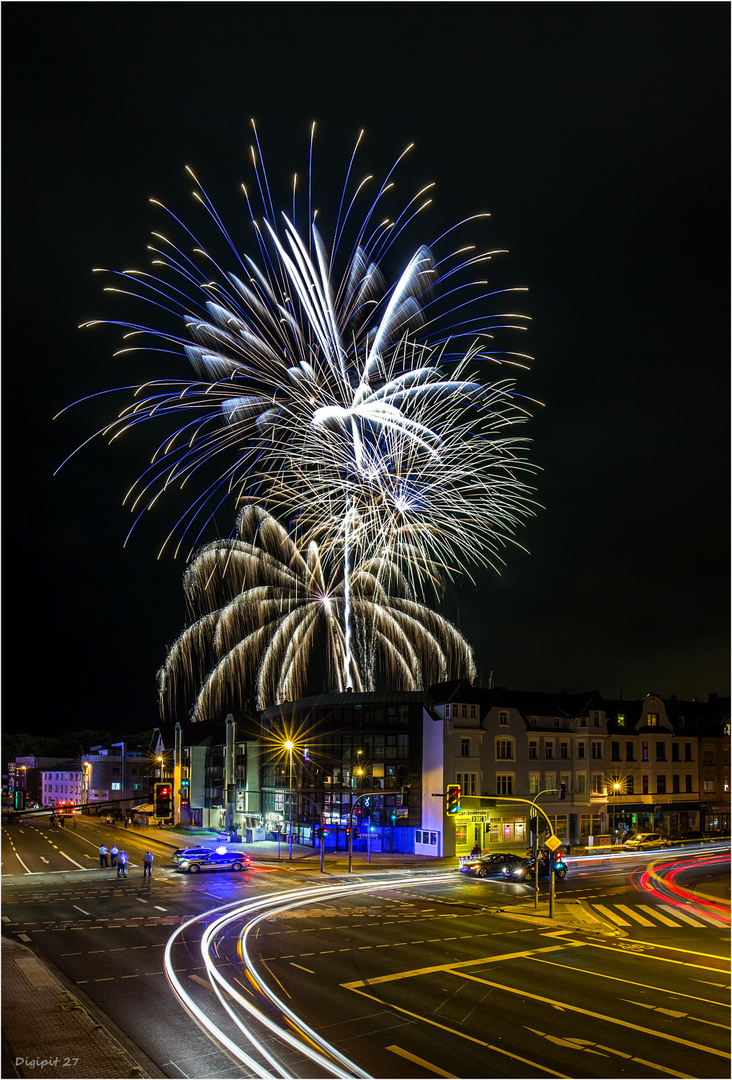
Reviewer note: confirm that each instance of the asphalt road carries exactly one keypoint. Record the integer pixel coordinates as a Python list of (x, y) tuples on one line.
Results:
[(429, 980)]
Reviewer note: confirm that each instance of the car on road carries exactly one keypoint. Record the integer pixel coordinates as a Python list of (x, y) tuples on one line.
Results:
[(525, 869), (232, 860), (645, 841), (492, 863), (191, 853)]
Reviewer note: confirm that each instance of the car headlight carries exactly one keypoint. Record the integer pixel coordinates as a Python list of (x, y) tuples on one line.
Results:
[(184, 862)]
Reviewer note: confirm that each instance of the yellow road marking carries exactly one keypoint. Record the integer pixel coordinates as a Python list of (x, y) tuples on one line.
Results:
[(629, 982), (460, 964), (589, 1012), (421, 1062)]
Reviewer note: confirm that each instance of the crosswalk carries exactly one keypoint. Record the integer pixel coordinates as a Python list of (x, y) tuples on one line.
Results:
[(646, 915)]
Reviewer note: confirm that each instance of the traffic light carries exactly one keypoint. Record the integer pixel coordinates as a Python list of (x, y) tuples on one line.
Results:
[(163, 799), (19, 799), (453, 798), (355, 832), (562, 791)]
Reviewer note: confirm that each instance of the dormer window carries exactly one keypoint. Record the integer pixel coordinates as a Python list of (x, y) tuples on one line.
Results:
[(652, 719), (503, 719), (621, 719)]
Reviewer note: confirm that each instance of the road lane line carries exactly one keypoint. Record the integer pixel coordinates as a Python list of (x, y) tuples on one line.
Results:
[(421, 1062), (453, 1031), (632, 982), (309, 970), (626, 1024), (80, 909)]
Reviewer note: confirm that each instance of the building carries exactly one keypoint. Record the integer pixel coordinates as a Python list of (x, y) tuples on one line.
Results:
[(62, 784), (114, 775), (25, 777)]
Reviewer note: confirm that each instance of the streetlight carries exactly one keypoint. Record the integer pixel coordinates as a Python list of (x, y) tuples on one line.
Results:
[(289, 746)]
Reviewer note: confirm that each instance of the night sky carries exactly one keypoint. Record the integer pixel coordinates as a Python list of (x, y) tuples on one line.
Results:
[(596, 135)]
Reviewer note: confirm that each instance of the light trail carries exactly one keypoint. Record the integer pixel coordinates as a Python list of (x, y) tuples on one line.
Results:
[(258, 1021), (660, 881)]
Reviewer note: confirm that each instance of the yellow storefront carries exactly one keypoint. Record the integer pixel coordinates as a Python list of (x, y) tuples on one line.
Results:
[(495, 829)]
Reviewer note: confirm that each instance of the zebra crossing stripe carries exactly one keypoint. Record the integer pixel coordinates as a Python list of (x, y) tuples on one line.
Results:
[(687, 918), (606, 911), (657, 915), (632, 914)]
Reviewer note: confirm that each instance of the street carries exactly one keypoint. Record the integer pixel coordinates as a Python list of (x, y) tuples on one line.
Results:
[(403, 974)]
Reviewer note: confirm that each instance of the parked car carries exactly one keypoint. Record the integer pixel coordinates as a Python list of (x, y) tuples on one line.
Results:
[(644, 841), (190, 853), (493, 863), (525, 869), (689, 838), (232, 860)]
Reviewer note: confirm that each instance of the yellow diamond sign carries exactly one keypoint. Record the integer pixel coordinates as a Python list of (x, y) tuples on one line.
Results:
[(552, 843)]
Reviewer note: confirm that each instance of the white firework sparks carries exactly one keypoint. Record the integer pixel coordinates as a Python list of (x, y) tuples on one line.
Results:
[(258, 606)]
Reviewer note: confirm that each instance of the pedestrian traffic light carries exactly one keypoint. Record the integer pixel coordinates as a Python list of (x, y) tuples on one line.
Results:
[(19, 799), (562, 791), (453, 798), (163, 798)]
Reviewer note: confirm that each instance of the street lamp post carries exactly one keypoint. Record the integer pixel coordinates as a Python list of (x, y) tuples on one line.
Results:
[(289, 747), (616, 789)]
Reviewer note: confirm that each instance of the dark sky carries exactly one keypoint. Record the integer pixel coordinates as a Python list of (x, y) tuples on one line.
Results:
[(596, 135)]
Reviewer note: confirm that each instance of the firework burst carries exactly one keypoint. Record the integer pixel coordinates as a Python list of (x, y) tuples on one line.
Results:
[(258, 606)]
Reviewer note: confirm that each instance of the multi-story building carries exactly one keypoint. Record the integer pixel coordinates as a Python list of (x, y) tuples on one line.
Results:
[(115, 775), (214, 767), (25, 775), (62, 783)]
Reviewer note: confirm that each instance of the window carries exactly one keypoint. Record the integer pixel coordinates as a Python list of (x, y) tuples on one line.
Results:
[(465, 747), (675, 752), (629, 786), (688, 783), (661, 784), (597, 784), (652, 719), (473, 712), (660, 751), (532, 721), (644, 755), (467, 782), (645, 785), (581, 779), (615, 751), (596, 719), (533, 783), (503, 719), (583, 721), (533, 748), (504, 750), (557, 723), (548, 749), (596, 750), (465, 712), (621, 719), (676, 784), (687, 752), (504, 784), (629, 752), (116, 786), (708, 757), (564, 750), (580, 749), (709, 785), (550, 781)]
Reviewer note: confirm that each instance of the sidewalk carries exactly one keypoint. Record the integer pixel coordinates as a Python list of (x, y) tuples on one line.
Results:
[(48, 1032)]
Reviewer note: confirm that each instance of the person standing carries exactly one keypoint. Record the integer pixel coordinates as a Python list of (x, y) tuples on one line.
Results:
[(103, 860), (122, 864), (147, 864), (114, 852)]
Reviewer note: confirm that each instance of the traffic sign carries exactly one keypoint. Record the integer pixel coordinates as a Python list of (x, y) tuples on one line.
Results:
[(552, 843)]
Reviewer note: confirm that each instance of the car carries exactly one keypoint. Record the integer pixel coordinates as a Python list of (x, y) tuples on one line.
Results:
[(191, 853), (492, 863), (232, 860), (689, 838), (644, 841), (524, 869)]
